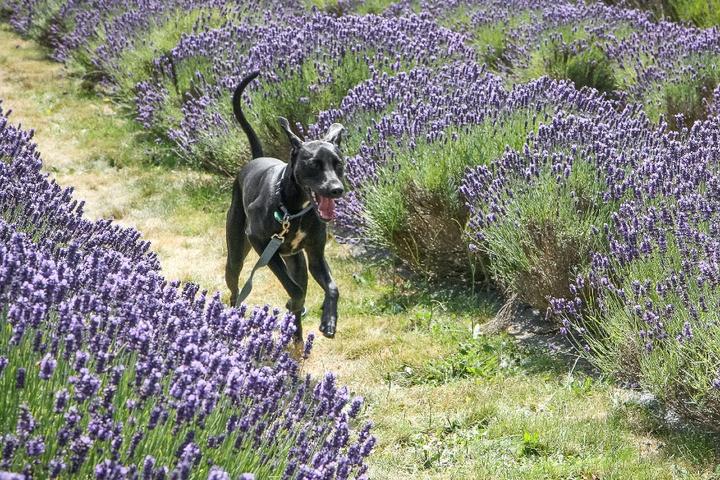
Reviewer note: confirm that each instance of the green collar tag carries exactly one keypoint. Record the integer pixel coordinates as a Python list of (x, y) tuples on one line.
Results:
[(278, 216)]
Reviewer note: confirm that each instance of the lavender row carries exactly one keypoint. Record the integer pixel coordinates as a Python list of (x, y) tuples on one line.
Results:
[(305, 60), (429, 108), (655, 287)]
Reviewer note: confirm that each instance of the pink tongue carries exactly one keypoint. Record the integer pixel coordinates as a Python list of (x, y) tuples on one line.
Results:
[(326, 207)]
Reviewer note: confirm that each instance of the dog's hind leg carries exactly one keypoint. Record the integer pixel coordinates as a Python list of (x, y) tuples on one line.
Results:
[(238, 245), (297, 269), (297, 294)]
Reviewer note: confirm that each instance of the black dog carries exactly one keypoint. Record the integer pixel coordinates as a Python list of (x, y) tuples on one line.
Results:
[(268, 190)]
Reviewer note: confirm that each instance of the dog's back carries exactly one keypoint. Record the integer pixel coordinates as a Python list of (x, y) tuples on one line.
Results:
[(257, 177)]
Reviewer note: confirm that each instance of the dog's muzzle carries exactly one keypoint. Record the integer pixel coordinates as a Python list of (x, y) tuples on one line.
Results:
[(325, 204)]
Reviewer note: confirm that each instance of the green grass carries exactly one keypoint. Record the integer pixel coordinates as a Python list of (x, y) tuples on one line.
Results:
[(536, 420)]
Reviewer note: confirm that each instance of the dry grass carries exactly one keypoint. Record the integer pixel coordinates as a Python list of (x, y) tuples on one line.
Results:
[(527, 420)]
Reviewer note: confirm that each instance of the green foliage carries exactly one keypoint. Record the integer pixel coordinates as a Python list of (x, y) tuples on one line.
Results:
[(491, 43), (585, 67), (688, 94), (545, 238), (703, 13), (219, 150), (531, 446), (415, 209)]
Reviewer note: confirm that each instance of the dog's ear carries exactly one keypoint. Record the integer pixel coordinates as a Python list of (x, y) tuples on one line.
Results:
[(334, 134), (294, 139)]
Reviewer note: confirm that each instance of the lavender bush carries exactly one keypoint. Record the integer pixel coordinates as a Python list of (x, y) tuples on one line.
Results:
[(310, 62), (423, 209), (645, 310), (537, 210), (107, 370)]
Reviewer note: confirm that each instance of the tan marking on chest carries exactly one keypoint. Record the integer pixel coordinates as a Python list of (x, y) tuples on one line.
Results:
[(299, 237)]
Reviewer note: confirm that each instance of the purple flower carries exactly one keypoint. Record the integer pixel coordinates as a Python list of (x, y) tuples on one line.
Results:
[(47, 366), (20, 378), (217, 473), (35, 447), (25, 423), (308, 345)]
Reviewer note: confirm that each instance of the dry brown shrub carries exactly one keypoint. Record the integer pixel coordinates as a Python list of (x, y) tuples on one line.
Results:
[(432, 240), (552, 273)]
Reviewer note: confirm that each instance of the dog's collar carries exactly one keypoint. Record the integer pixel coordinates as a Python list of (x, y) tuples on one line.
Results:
[(283, 214)]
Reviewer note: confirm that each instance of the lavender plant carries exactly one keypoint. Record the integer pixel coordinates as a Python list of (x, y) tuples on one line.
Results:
[(644, 311), (107, 370), (422, 208), (314, 61)]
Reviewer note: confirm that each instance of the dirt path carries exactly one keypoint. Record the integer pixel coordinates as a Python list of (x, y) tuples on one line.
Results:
[(442, 411)]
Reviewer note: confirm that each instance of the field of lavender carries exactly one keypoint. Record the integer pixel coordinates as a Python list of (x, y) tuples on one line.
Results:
[(563, 154)]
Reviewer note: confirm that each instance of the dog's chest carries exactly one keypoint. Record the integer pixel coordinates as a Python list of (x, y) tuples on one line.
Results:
[(295, 240)]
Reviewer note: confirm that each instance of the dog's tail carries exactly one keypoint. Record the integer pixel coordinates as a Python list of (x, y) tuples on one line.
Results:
[(255, 146)]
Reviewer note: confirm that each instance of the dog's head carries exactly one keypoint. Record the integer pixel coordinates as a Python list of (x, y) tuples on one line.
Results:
[(318, 168)]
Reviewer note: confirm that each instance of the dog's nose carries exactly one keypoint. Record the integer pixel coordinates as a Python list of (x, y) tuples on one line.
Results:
[(337, 192)]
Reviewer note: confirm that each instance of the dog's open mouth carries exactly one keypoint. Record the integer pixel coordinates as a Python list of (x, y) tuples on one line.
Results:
[(325, 206)]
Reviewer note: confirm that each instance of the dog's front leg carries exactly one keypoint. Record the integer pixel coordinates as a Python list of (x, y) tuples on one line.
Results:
[(321, 273)]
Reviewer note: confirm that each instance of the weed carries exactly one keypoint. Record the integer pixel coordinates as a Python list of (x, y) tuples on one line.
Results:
[(531, 446), (481, 358)]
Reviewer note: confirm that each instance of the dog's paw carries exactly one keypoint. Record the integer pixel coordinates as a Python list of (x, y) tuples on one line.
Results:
[(328, 326)]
